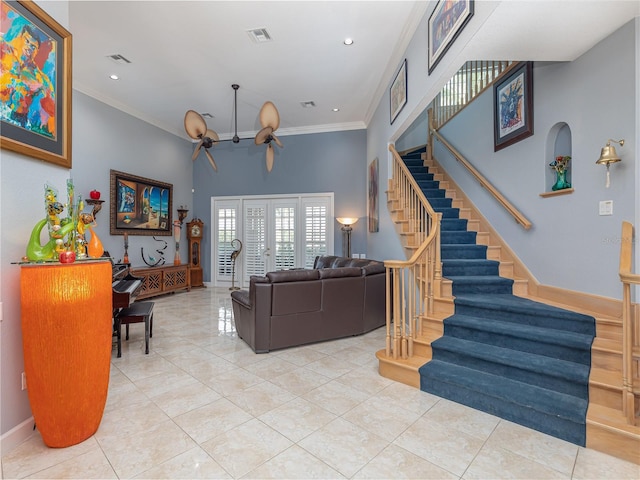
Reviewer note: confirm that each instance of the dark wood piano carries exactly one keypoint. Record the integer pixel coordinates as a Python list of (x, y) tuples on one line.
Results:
[(125, 286)]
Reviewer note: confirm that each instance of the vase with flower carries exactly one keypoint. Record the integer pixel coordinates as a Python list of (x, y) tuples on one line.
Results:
[(561, 165)]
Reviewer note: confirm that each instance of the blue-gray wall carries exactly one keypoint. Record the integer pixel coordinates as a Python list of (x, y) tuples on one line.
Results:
[(570, 245), (312, 163)]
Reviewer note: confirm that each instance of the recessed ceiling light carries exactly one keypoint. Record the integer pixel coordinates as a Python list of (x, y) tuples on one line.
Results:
[(113, 76), (348, 41), (336, 109)]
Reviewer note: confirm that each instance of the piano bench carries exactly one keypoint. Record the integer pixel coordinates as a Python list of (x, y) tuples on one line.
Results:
[(136, 313)]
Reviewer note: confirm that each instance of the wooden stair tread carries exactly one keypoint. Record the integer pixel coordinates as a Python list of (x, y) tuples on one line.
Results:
[(605, 378), (612, 419)]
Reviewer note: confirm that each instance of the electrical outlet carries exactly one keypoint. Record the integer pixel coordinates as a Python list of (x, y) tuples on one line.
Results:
[(606, 207), (24, 381)]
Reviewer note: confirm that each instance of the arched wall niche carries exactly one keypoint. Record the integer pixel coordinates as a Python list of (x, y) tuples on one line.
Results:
[(558, 144)]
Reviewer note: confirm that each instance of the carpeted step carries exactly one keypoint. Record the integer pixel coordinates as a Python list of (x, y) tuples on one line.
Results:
[(539, 370), (560, 415), (453, 224), (480, 284), (429, 185), (569, 346), (423, 176), (457, 238), (448, 212), (509, 308), (448, 252), (433, 193), (469, 266), (440, 204)]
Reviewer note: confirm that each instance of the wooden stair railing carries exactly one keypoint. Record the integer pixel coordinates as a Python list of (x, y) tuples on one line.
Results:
[(630, 329), (508, 206), (411, 284)]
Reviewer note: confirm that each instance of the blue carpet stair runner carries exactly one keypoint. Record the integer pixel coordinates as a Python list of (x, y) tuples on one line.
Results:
[(515, 358)]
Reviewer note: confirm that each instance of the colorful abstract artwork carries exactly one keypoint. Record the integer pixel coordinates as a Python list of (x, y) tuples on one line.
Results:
[(35, 83), (140, 206), (446, 22), (513, 106), (374, 212)]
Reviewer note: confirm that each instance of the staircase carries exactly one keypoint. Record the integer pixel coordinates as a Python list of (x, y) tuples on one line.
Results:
[(517, 358)]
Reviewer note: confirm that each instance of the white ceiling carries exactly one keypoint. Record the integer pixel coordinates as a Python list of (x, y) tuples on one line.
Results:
[(186, 54)]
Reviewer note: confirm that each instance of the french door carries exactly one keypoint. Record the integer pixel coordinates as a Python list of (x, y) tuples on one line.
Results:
[(277, 233)]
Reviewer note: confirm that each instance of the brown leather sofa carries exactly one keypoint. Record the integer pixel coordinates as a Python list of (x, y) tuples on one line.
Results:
[(339, 297)]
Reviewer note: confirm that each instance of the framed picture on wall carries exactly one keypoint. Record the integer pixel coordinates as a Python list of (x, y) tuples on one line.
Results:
[(513, 106), (398, 92), (35, 105), (373, 208), (140, 206), (445, 24)]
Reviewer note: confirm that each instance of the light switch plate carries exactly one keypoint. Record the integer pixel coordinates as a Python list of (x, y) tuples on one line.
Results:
[(606, 207)]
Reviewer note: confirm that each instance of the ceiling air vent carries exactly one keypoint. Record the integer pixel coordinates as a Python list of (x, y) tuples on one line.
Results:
[(119, 59), (259, 35), (309, 104), (207, 115)]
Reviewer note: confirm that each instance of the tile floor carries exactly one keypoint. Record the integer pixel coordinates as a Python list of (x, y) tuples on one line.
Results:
[(203, 405)]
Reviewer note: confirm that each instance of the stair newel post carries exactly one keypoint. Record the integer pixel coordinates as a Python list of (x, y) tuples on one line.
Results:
[(430, 135), (628, 401), (388, 311), (397, 305), (437, 278)]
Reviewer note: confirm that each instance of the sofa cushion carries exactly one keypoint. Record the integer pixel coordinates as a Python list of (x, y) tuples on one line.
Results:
[(283, 276), (242, 297), (373, 267), (340, 272)]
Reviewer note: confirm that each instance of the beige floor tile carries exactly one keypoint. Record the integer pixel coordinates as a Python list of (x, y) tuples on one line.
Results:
[(124, 395), (300, 381), (343, 446), (33, 456), (366, 379), (185, 398), (396, 462), (294, 463), (89, 465), (336, 397), (159, 384), (462, 418), (499, 463), (539, 447), (233, 381), (211, 420), (245, 447), (270, 367), (137, 368), (297, 419), (134, 454), (261, 398), (445, 447), (377, 417), (407, 397), (190, 465), (128, 421), (331, 367), (300, 356), (593, 465)]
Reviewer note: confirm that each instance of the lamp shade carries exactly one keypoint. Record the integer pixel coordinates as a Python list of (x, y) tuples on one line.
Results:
[(347, 220), (66, 338)]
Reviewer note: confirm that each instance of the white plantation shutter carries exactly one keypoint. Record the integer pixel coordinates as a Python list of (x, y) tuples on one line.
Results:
[(277, 233), (316, 217), (285, 236), (255, 239), (226, 233)]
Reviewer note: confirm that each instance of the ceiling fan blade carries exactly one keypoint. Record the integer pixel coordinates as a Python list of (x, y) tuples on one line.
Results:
[(269, 116), (194, 124), (269, 157), (196, 152), (262, 135), (211, 161), (213, 136), (277, 140)]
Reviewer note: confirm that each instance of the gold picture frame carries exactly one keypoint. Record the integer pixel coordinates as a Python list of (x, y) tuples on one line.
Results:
[(36, 50)]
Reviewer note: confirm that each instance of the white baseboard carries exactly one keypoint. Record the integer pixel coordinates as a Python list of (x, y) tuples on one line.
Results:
[(16, 436)]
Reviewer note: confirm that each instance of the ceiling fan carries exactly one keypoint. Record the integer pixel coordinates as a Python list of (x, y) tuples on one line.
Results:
[(196, 128)]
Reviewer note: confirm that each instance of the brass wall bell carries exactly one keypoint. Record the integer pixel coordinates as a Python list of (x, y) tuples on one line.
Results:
[(608, 156)]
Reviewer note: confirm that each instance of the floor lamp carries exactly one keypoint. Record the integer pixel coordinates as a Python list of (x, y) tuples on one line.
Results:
[(346, 233)]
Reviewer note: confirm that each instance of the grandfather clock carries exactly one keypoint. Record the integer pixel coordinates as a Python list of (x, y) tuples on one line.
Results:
[(195, 229)]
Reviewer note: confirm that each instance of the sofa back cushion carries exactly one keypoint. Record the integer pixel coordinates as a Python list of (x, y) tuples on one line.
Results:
[(296, 297), (339, 272)]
